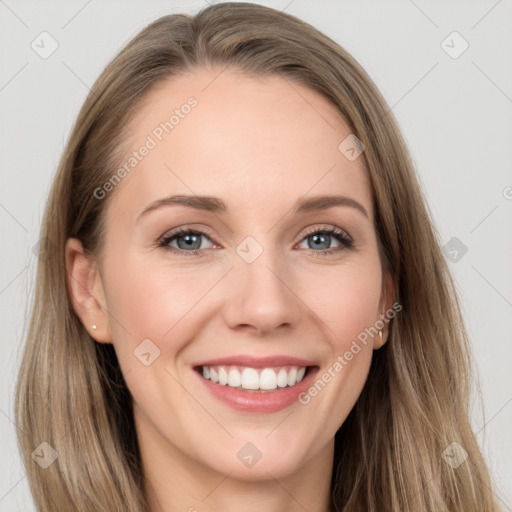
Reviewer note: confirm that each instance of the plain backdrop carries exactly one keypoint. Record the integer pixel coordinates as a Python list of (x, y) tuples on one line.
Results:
[(454, 109)]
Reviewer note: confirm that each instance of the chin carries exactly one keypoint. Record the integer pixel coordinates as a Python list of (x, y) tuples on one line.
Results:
[(258, 460)]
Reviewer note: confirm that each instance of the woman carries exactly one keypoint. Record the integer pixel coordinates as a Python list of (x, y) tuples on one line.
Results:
[(243, 302)]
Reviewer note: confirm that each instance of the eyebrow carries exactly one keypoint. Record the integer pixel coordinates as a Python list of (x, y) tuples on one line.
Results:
[(216, 205)]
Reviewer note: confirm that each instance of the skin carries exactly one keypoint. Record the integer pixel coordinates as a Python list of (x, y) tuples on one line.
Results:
[(259, 145)]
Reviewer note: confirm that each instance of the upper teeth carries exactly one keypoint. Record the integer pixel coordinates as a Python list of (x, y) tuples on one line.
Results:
[(251, 378)]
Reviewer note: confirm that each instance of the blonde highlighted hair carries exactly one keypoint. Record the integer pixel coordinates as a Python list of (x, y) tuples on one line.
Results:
[(71, 393)]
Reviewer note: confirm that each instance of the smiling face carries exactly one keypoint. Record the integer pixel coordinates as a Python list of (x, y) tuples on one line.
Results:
[(220, 253)]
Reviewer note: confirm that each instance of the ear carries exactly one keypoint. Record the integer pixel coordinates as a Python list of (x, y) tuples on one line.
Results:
[(386, 304), (86, 291)]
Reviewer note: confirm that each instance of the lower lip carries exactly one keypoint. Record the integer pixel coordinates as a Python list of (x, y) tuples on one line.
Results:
[(253, 401)]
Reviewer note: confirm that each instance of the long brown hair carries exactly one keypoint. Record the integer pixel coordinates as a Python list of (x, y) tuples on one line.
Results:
[(70, 392)]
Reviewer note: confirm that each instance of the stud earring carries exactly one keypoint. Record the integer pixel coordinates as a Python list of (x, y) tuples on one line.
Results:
[(380, 334), (93, 326)]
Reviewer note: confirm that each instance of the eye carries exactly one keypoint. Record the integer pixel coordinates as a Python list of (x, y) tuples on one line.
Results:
[(189, 242), (321, 240), (185, 240)]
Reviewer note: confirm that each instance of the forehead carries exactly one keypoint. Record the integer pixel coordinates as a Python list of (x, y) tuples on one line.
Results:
[(256, 142)]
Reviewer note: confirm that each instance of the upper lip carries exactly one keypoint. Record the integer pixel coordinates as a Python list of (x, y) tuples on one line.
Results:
[(256, 362)]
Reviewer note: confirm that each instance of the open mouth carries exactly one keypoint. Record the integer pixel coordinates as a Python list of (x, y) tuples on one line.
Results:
[(254, 380)]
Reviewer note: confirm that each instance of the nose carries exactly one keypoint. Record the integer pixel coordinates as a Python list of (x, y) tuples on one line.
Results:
[(261, 298)]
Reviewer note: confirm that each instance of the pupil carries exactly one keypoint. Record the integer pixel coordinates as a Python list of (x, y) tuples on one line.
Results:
[(189, 241), (321, 241)]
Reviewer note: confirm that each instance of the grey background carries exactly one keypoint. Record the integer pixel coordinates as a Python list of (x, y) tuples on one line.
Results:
[(455, 114)]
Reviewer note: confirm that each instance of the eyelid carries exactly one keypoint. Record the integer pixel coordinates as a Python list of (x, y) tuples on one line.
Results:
[(345, 240), (326, 228), (163, 240)]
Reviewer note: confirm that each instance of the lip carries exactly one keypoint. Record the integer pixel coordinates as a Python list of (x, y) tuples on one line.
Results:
[(254, 401), (256, 362)]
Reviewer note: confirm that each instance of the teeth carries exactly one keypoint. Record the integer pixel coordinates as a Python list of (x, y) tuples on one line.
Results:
[(268, 379), (292, 376), (282, 378), (223, 376), (234, 378), (250, 379), (265, 379)]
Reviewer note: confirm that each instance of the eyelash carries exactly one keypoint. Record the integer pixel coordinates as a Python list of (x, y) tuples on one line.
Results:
[(345, 241)]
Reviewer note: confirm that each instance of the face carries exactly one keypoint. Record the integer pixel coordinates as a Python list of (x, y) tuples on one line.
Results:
[(232, 288)]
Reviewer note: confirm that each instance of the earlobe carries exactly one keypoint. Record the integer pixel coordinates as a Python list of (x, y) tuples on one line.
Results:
[(86, 291), (379, 339)]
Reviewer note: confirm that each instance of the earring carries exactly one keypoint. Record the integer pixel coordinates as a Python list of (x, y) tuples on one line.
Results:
[(93, 326), (380, 334)]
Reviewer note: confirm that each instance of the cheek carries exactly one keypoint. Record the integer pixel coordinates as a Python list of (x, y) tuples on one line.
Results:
[(348, 306), (155, 303), (151, 302), (347, 300)]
